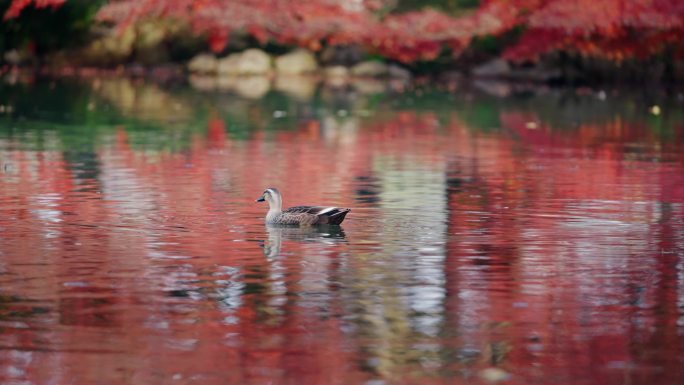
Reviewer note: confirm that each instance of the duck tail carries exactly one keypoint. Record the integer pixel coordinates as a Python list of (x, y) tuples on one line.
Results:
[(337, 216)]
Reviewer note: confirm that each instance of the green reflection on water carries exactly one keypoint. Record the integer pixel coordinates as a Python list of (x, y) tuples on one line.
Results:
[(82, 114)]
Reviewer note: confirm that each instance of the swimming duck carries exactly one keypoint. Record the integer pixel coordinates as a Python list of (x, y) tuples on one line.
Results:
[(299, 215)]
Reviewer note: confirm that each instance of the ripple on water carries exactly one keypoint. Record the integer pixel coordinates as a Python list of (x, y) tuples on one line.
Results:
[(136, 247)]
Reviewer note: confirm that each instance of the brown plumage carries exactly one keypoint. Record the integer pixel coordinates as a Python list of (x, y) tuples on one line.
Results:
[(300, 215)]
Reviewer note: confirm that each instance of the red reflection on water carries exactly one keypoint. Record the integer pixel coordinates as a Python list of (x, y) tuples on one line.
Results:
[(562, 258), (577, 187)]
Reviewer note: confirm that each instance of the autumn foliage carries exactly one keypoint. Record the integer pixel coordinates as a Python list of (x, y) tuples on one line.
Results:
[(611, 29), (406, 37), (16, 6)]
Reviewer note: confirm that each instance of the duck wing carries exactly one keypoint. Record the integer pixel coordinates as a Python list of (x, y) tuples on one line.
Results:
[(314, 210), (321, 214)]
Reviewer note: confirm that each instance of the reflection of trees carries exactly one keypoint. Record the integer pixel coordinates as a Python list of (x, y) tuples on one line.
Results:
[(465, 248), (556, 232), (143, 101)]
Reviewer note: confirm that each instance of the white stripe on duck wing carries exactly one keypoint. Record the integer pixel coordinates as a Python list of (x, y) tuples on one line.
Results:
[(300, 215)]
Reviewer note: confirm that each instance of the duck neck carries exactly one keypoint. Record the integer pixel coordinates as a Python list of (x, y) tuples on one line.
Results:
[(275, 207)]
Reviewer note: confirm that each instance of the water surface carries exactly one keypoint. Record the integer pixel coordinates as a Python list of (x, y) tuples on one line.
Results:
[(539, 234)]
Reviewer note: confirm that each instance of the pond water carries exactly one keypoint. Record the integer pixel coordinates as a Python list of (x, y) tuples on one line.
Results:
[(521, 237)]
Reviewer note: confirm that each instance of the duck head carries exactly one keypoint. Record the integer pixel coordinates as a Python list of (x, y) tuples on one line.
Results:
[(272, 196)]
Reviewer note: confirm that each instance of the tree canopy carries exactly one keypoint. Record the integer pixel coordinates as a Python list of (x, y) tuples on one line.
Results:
[(611, 29)]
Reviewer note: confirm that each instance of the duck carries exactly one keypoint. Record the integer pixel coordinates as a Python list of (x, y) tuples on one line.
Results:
[(299, 215)]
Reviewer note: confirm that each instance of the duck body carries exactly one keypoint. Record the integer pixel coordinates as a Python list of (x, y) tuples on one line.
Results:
[(308, 215), (300, 215)]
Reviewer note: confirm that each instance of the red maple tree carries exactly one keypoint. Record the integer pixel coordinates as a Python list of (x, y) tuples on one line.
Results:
[(406, 37), (16, 6), (612, 29)]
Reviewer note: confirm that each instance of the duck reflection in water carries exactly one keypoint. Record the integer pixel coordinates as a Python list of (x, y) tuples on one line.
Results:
[(316, 234)]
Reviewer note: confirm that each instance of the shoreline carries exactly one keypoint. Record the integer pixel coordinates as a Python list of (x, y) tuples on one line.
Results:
[(175, 73)]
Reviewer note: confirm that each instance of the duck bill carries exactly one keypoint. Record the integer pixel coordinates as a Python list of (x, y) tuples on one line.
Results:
[(261, 199)]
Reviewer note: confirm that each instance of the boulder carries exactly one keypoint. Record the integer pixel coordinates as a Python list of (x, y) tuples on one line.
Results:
[(500, 69), (14, 57), (252, 87), (396, 72), (297, 62), (336, 72), (229, 65), (250, 62), (537, 73), (300, 88), (336, 76), (255, 62), (494, 87), (494, 375), (345, 55), (203, 82), (369, 86), (494, 68), (203, 64), (370, 69)]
